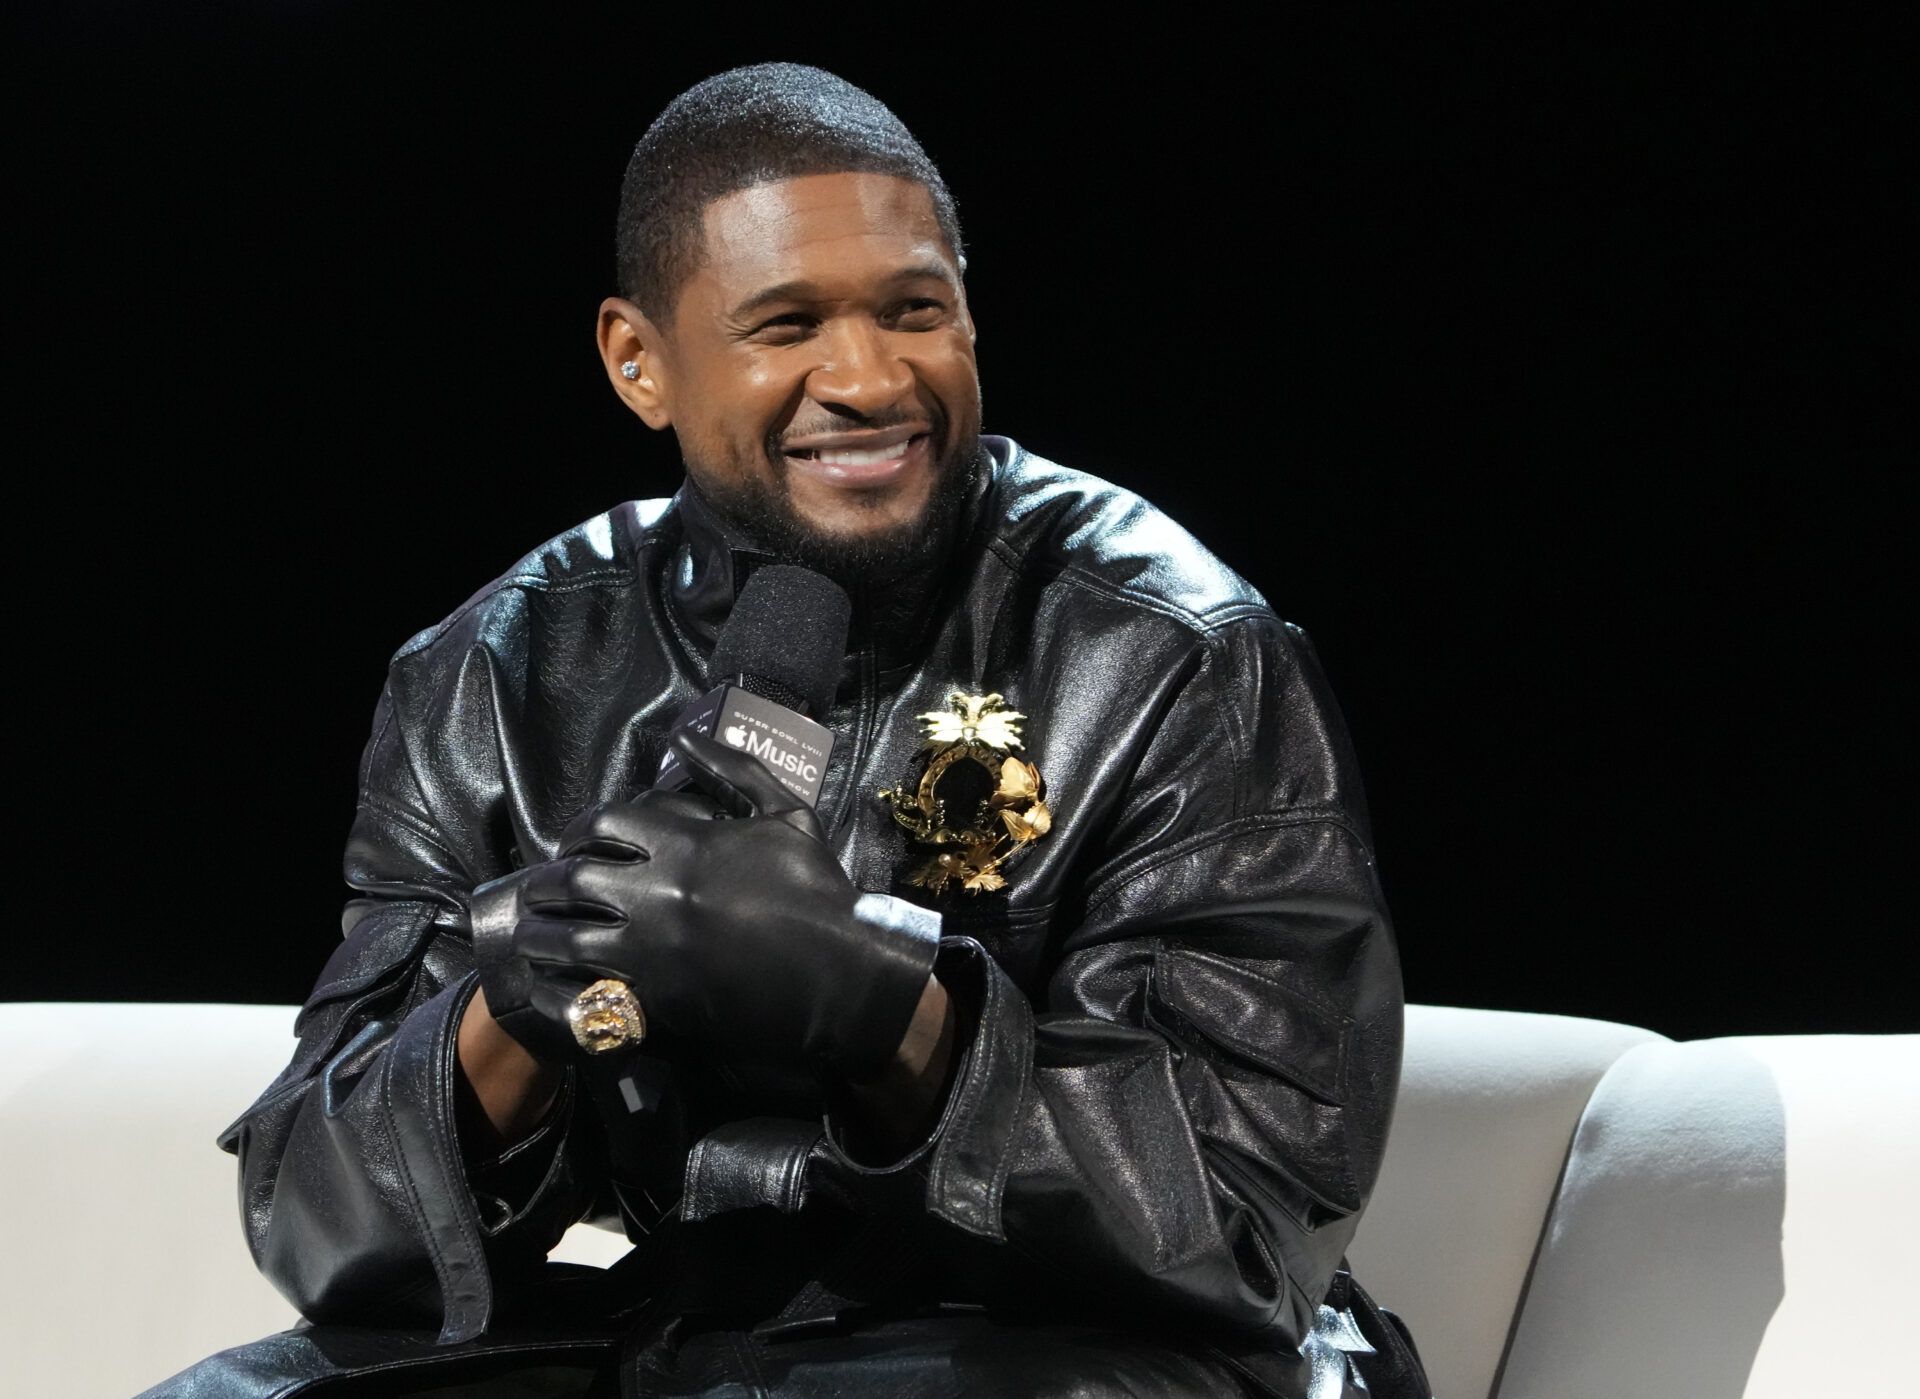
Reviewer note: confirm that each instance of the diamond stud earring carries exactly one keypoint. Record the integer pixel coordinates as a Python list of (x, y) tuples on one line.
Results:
[(630, 370)]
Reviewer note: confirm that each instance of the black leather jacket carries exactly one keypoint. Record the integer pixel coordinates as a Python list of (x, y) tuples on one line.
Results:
[(1181, 1016)]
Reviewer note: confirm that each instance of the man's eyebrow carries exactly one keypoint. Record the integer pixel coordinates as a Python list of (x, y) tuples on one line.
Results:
[(801, 290)]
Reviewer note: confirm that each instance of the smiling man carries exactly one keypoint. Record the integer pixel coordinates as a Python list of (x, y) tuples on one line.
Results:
[(1049, 1050), (817, 368)]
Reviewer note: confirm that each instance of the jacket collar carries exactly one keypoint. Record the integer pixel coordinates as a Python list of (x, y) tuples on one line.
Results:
[(715, 558)]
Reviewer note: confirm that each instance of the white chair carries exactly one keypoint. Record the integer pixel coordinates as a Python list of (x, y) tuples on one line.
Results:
[(1569, 1208)]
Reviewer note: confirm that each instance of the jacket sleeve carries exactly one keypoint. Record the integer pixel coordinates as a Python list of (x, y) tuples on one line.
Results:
[(354, 1195), (1192, 1119)]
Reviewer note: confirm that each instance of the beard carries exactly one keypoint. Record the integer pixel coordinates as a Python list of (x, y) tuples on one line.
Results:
[(764, 511)]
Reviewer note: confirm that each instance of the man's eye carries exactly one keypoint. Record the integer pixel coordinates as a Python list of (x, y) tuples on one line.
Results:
[(921, 311), (787, 327)]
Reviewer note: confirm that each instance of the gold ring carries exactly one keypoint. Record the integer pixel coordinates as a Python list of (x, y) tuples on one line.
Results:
[(607, 1016)]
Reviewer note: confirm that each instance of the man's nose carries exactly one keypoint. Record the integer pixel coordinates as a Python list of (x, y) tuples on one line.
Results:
[(861, 370)]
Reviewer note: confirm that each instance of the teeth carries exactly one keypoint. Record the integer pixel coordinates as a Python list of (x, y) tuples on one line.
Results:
[(843, 456)]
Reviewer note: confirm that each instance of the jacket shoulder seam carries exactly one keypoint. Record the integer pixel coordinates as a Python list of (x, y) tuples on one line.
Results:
[(379, 733), (623, 573), (1229, 727), (1204, 621), (526, 582)]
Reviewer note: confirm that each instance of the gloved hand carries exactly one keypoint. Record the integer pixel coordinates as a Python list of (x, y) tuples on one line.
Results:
[(725, 912)]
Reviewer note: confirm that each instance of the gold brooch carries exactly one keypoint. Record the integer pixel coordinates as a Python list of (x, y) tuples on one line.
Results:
[(968, 766)]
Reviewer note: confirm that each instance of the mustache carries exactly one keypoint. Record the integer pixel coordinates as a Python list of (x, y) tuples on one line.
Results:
[(853, 422)]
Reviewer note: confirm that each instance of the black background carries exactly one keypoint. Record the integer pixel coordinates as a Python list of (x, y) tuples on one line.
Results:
[(1543, 369)]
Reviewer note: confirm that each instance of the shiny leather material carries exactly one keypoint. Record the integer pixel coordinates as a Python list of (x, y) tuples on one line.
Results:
[(1181, 1019), (530, 1003), (725, 910), (951, 1353)]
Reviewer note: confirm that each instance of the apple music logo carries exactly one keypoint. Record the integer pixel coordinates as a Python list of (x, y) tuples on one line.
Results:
[(793, 746)]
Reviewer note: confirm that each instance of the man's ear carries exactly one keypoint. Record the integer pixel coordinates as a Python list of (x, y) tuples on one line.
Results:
[(628, 338), (966, 308)]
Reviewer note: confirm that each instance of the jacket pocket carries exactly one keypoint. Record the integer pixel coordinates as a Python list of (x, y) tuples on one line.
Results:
[(369, 962), (1247, 1015), (380, 947)]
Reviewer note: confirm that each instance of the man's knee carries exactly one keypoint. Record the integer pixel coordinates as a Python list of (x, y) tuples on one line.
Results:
[(343, 1362)]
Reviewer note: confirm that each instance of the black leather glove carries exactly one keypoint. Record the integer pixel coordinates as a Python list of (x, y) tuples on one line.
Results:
[(725, 912), (530, 1005)]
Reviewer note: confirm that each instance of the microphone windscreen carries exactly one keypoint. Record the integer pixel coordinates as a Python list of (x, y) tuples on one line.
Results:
[(787, 633)]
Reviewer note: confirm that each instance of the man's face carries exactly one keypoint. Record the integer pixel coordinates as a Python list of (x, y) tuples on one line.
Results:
[(819, 370)]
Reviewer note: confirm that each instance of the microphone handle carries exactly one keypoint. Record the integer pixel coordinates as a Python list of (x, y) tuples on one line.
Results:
[(635, 1093)]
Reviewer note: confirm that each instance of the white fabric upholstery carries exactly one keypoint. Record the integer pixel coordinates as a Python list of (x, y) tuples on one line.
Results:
[(1725, 1202), (1737, 1219), (1488, 1104), (125, 1261)]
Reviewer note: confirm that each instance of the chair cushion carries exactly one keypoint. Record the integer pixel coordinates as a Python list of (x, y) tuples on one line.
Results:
[(1488, 1103), (127, 1260), (1737, 1221)]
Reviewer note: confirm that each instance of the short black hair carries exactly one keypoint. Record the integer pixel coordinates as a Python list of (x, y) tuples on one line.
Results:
[(745, 127)]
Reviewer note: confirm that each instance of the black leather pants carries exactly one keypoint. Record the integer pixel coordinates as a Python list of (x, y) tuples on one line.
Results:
[(931, 1357), (944, 1356), (974, 1356)]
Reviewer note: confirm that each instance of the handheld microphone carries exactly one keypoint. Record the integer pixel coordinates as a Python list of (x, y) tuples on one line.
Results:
[(776, 662)]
